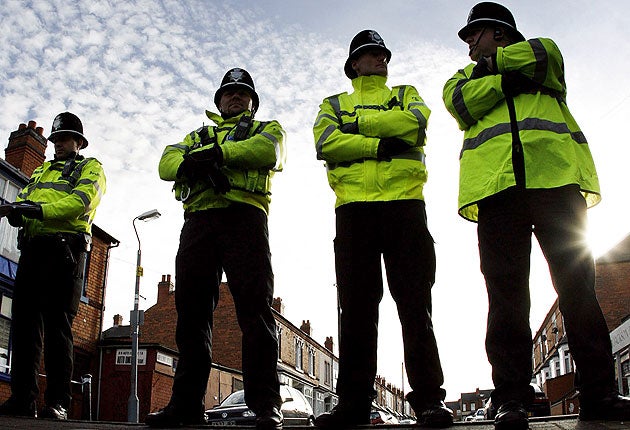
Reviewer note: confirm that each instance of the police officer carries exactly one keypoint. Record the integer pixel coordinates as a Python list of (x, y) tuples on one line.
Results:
[(54, 212), (372, 142), (526, 166), (222, 175)]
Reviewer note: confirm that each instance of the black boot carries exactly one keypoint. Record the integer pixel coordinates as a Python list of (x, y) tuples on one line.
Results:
[(511, 416), (340, 418), (270, 419), (612, 407), (54, 412), (435, 415)]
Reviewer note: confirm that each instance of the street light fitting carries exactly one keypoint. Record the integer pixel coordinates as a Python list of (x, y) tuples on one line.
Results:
[(153, 213)]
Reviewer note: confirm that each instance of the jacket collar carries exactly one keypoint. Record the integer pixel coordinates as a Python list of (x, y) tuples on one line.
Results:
[(220, 121), (367, 83)]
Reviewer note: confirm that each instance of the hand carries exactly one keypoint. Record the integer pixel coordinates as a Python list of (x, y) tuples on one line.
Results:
[(218, 180), (514, 83), (389, 146), (15, 211), (351, 127), (197, 165), (212, 154), (481, 69)]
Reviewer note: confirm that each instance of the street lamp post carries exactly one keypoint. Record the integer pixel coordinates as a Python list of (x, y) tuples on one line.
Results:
[(134, 403)]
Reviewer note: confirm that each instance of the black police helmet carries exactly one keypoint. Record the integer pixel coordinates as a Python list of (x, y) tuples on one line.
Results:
[(364, 40), (237, 78), (490, 14), (67, 122)]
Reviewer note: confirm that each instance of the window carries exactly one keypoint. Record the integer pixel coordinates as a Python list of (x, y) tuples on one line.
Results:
[(473, 407), (299, 343), (237, 384), (5, 331), (308, 395), (463, 407), (8, 234), (279, 336), (567, 362), (311, 361), (327, 372)]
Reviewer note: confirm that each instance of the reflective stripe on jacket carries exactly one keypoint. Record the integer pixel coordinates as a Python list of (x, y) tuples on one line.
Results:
[(354, 173), (68, 199), (249, 164), (543, 133)]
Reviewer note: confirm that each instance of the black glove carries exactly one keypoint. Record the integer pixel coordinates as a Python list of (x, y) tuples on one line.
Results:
[(351, 127), (514, 83), (197, 165), (15, 211), (481, 69), (218, 180), (389, 146)]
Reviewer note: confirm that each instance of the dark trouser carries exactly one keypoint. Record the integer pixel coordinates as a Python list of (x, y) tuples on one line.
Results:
[(558, 219), (398, 231), (234, 239), (45, 301)]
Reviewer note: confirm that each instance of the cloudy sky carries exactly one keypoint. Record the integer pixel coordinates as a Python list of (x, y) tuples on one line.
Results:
[(140, 75)]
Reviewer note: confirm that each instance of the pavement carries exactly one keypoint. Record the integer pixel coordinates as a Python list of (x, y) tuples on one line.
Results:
[(566, 422)]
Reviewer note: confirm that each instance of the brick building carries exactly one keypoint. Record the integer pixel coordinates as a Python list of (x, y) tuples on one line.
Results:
[(157, 361), (554, 368), (24, 153), (469, 403), (303, 362)]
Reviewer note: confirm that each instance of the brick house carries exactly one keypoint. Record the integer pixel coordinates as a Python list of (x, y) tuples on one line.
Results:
[(157, 361), (303, 363), (24, 153), (554, 368)]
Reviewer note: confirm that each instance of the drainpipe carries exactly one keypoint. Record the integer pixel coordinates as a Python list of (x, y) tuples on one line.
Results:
[(100, 331)]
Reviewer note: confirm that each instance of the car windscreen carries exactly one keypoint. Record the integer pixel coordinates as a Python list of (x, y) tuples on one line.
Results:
[(236, 398)]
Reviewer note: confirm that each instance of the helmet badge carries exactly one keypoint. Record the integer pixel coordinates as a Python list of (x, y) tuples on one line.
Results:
[(376, 37), (236, 75)]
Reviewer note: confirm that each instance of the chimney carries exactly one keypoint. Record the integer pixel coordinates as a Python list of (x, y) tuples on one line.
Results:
[(277, 305), (328, 343), (118, 319), (26, 148), (306, 327), (165, 288)]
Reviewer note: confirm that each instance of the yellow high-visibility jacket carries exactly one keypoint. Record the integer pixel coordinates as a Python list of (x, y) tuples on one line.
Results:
[(68, 193), (249, 164), (354, 173), (554, 149)]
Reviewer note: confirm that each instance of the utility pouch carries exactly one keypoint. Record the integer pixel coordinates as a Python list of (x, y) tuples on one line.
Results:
[(242, 128)]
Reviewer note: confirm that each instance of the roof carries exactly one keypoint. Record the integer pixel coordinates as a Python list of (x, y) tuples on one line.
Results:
[(117, 332), (617, 254)]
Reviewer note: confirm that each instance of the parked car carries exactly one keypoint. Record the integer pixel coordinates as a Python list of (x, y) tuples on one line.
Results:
[(234, 412), (540, 407), (407, 420), (381, 417), (478, 415)]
